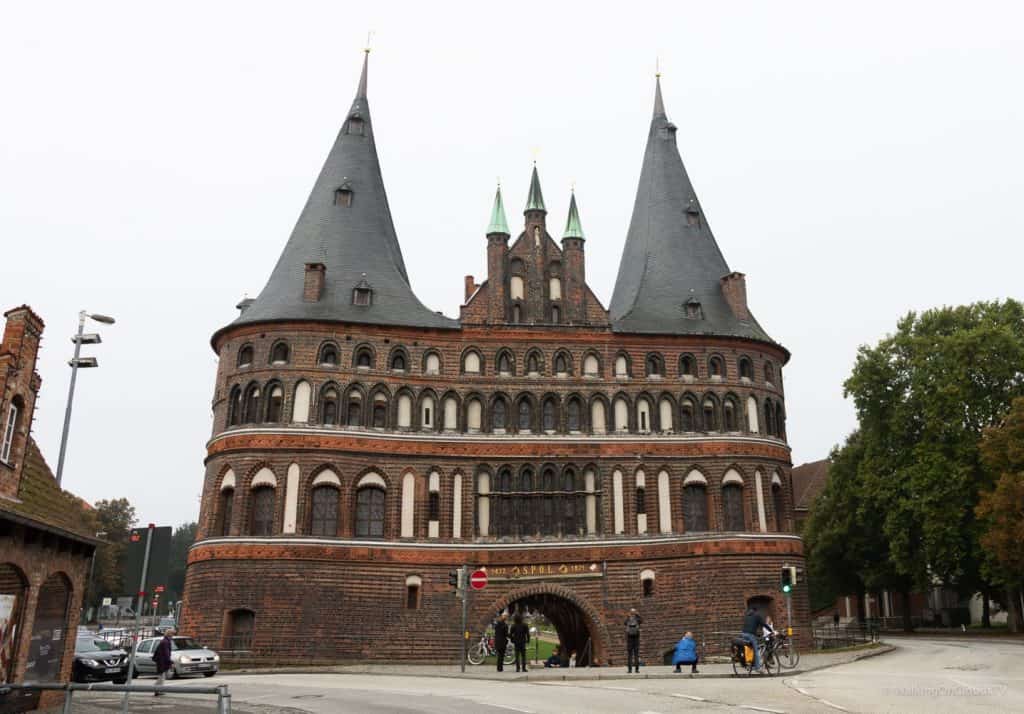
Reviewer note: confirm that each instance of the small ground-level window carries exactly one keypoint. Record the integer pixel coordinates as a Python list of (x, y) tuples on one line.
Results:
[(648, 587), (241, 625), (412, 592)]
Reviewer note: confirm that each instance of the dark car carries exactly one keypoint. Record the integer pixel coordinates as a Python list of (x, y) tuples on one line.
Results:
[(96, 660)]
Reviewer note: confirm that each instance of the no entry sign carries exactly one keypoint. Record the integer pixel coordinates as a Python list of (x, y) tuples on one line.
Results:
[(478, 579)]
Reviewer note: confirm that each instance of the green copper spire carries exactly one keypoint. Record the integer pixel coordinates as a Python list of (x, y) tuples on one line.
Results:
[(535, 201), (498, 222), (573, 227)]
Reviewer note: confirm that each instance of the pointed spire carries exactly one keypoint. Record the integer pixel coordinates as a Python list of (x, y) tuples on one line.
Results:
[(535, 201), (361, 91), (659, 104), (573, 227), (498, 223)]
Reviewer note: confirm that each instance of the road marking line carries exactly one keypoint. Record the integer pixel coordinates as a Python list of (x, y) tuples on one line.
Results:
[(834, 706), (621, 689), (803, 691), (691, 697), (506, 706), (751, 707)]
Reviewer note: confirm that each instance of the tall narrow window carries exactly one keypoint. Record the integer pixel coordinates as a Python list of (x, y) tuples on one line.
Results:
[(778, 507), (263, 511), (474, 411), (550, 418), (687, 415), (279, 354), (245, 356), (227, 502), (427, 413), (355, 411), (412, 596), (235, 406), (561, 364), (591, 367), (532, 363), (398, 362), (252, 404), (732, 506), (525, 415), (432, 364), (746, 369), (710, 416), (621, 366), (380, 411), (325, 511), (687, 366), (329, 407), (695, 508), (716, 368), (329, 356), (498, 414), (364, 358), (370, 513), (434, 506), (504, 364), (556, 314), (769, 373), (275, 404), (641, 500), (572, 415), (654, 368), (729, 415)]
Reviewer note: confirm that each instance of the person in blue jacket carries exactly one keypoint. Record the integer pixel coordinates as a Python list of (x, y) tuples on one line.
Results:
[(686, 653)]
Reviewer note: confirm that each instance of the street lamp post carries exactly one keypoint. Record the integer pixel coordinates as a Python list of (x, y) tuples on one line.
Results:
[(92, 572), (84, 362)]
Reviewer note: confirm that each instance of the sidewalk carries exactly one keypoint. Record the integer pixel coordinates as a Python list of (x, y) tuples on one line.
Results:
[(808, 663)]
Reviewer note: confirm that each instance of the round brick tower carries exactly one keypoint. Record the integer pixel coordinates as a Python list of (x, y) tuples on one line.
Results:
[(590, 459)]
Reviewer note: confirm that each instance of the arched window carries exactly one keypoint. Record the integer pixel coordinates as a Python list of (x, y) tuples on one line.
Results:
[(234, 408), (573, 411), (641, 500), (471, 363), (370, 512), (550, 415), (556, 314), (499, 414), (432, 363), (554, 288), (517, 288), (769, 373), (778, 504), (732, 507), (769, 418), (591, 366), (354, 409), (329, 406), (643, 415), (655, 366), (398, 362), (729, 416), (300, 402), (504, 363), (262, 511), (746, 369), (780, 421), (483, 504), (525, 422), (245, 356), (572, 505), (561, 364), (687, 415), (252, 404), (533, 363), (328, 355), (752, 421), (279, 353), (433, 505), (404, 411), (408, 503), (665, 409), (695, 507), (621, 414), (621, 366), (647, 583), (324, 511), (239, 632), (363, 358), (474, 412), (710, 414), (451, 414), (380, 411), (598, 417), (275, 404), (412, 592), (427, 412), (224, 513), (687, 366), (716, 367)]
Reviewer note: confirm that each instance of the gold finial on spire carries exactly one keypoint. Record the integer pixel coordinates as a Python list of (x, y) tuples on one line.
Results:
[(535, 151), (369, 37), (657, 66)]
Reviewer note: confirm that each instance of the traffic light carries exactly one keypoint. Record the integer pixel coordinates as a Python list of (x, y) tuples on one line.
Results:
[(788, 578), (453, 578)]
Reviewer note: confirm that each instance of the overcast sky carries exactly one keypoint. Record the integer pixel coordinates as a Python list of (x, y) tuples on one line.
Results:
[(856, 163)]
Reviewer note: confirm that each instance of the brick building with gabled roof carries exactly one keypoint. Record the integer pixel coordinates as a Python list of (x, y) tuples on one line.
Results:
[(46, 542), (590, 459)]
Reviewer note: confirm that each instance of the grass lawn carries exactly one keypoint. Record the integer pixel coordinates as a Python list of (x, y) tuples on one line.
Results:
[(543, 651)]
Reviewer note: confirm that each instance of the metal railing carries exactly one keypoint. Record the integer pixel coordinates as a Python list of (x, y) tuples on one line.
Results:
[(830, 637), (69, 688)]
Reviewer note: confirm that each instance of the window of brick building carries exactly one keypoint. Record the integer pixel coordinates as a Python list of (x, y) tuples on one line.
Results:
[(572, 414), (252, 404), (499, 414), (434, 506), (687, 415), (695, 508), (329, 407), (687, 366), (746, 369), (275, 404), (716, 367), (370, 513), (262, 511), (525, 422), (647, 582), (324, 520), (380, 411), (778, 506), (355, 410), (328, 356), (550, 415), (732, 507), (412, 592), (239, 631), (245, 356), (364, 358), (279, 353), (227, 502)]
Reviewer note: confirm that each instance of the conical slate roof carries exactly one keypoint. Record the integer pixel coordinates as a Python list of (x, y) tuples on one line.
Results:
[(671, 257), (535, 200), (349, 240), (573, 227), (498, 224)]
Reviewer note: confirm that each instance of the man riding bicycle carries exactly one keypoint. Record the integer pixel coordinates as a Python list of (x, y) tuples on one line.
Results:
[(752, 622)]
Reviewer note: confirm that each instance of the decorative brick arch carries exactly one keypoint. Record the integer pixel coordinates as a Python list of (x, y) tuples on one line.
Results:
[(596, 624)]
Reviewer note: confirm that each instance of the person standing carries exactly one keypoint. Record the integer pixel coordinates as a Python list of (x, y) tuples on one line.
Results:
[(520, 635), (633, 622), (501, 639), (162, 658), (753, 622)]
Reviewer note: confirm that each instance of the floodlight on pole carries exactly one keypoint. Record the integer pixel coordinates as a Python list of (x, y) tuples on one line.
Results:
[(76, 362)]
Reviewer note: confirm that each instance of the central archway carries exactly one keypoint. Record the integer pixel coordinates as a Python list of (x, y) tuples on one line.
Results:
[(579, 626)]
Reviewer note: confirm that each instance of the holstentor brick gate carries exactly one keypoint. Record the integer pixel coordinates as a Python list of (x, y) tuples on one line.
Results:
[(592, 460)]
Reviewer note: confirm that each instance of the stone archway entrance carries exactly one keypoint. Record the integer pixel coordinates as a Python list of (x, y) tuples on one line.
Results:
[(579, 627)]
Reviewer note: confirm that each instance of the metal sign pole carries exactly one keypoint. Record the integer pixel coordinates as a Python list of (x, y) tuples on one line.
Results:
[(464, 592), (138, 610), (789, 614)]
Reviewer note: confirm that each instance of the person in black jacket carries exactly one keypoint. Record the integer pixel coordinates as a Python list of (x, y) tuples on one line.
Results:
[(753, 621), (520, 635), (501, 640), (632, 624)]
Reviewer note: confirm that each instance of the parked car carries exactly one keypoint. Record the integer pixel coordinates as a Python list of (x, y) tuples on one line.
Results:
[(187, 657), (96, 660), (165, 623)]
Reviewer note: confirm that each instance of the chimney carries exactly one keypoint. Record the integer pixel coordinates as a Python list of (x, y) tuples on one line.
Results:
[(734, 289), (314, 286), (471, 287)]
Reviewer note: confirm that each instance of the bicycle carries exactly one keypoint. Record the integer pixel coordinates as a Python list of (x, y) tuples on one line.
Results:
[(485, 648), (785, 651), (742, 664)]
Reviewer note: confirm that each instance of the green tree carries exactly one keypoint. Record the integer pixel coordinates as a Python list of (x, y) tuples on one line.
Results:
[(115, 518), (1001, 508), (181, 540), (924, 396)]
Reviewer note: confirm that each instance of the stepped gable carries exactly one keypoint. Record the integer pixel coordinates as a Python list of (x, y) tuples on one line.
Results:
[(346, 238), (670, 257)]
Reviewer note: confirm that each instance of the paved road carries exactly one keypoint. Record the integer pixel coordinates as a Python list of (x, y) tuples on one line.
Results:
[(923, 675)]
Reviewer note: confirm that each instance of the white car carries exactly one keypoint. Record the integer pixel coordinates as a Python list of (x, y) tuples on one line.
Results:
[(187, 657)]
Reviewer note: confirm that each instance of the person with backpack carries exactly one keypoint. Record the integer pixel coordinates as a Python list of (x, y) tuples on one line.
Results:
[(633, 622), (753, 622), (520, 636)]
